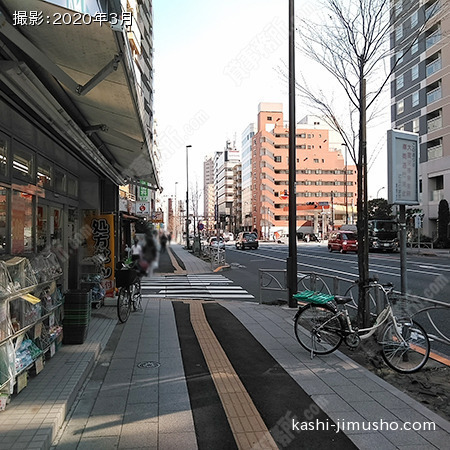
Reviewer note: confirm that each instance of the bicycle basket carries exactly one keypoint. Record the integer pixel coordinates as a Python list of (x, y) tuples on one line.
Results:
[(313, 297), (126, 277)]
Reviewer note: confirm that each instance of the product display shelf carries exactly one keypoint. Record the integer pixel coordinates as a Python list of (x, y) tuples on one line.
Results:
[(29, 327), (30, 306), (91, 279)]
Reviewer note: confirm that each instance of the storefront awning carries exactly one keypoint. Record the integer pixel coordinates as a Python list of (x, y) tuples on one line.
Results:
[(92, 64)]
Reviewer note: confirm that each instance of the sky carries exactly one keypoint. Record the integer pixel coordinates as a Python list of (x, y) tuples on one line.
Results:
[(214, 62)]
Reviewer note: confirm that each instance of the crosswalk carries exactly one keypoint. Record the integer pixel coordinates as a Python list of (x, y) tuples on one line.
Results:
[(206, 287)]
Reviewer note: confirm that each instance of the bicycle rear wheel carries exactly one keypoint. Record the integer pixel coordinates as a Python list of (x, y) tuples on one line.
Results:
[(124, 304), (405, 348), (318, 329), (137, 296)]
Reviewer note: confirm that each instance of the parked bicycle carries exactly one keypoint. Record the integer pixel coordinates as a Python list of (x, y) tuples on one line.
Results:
[(128, 280), (324, 322)]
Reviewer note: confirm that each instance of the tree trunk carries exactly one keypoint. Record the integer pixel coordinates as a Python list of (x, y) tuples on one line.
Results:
[(362, 214)]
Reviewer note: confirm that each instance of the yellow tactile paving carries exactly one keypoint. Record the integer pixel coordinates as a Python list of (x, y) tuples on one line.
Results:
[(249, 430)]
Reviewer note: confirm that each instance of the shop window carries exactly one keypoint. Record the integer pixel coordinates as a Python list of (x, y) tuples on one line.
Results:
[(23, 164), (60, 181), (41, 229), (72, 186), (22, 223), (44, 175), (4, 235), (3, 156)]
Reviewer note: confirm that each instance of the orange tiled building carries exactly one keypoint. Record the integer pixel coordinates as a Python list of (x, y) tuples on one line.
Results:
[(326, 188)]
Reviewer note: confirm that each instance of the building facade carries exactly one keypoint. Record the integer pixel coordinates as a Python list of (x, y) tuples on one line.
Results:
[(420, 94), (325, 187), (76, 123), (209, 193), (246, 169), (224, 161)]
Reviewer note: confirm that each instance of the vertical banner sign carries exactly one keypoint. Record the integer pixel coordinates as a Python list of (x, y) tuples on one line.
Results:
[(143, 191), (101, 242), (403, 168)]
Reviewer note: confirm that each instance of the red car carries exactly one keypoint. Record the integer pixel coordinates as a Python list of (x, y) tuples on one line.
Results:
[(343, 241)]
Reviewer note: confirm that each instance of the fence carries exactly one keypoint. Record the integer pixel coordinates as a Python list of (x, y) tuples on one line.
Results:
[(425, 310)]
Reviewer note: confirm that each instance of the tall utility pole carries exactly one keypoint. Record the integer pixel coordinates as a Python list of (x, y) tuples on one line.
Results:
[(187, 197), (292, 259)]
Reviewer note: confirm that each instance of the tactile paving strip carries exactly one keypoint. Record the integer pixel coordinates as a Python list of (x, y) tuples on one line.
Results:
[(248, 428)]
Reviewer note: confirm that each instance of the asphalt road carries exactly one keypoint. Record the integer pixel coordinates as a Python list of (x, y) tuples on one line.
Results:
[(427, 276)]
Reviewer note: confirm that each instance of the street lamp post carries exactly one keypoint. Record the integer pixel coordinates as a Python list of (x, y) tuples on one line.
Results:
[(291, 265), (187, 197), (378, 192), (175, 222)]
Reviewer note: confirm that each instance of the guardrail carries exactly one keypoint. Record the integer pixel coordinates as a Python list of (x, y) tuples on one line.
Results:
[(215, 255), (420, 308), (419, 245)]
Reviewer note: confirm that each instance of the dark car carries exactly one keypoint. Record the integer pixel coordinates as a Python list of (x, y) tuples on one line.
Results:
[(343, 241), (246, 239)]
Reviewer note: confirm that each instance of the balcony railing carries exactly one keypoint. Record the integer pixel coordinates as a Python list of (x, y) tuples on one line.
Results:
[(434, 124), (434, 95), (434, 67), (433, 38), (435, 152)]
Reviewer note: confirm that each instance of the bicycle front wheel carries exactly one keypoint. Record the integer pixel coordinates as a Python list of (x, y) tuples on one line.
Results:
[(124, 304), (405, 348), (318, 329)]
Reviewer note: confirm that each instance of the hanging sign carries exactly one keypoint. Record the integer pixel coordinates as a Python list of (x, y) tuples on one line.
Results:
[(142, 208), (101, 242)]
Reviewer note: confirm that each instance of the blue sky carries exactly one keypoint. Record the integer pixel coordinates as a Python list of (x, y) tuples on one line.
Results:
[(213, 64)]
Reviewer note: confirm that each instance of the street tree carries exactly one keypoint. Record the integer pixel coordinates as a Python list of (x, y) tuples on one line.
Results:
[(350, 40), (379, 208), (443, 222)]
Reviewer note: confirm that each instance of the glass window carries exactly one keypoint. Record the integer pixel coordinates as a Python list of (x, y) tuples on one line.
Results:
[(400, 81), (414, 47), (415, 72), (399, 33), (4, 146), (4, 235), (60, 181), (400, 106), (41, 230), (416, 124), (415, 98), (44, 175), (23, 163), (22, 223), (399, 57), (414, 18)]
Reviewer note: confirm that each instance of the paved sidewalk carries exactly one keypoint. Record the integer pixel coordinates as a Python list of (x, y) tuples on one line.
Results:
[(137, 396)]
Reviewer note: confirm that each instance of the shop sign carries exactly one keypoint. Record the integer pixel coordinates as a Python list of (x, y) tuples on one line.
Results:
[(142, 208), (101, 242), (157, 217), (143, 191), (403, 168)]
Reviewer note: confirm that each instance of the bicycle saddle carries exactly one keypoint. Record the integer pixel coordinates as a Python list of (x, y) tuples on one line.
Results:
[(341, 300)]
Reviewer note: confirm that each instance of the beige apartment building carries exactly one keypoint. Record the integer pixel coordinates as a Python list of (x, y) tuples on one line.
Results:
[(420, 94), (326, 186)]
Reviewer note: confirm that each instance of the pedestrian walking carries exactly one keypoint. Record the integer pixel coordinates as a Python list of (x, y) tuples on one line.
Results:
[(136, 250)]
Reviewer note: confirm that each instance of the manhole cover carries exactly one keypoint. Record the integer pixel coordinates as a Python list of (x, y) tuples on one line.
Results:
[(148, 364)]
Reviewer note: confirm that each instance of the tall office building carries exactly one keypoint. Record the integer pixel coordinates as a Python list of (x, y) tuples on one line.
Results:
[(420, 94), (325, 185), (246, 178), (208, 193)]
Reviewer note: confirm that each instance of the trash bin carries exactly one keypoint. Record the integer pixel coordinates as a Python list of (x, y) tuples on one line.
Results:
[(77, 314)]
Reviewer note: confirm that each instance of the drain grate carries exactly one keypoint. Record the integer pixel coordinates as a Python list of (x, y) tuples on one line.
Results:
[(149, 365)]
